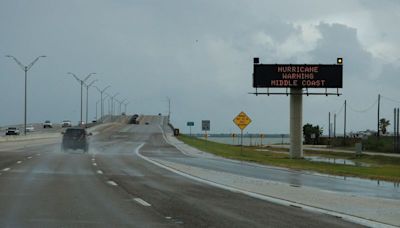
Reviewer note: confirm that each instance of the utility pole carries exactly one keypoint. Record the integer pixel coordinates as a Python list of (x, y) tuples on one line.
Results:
[(395, 131), (345, 115), (334, 125), (25, 69), (379, 105), (329, 126)]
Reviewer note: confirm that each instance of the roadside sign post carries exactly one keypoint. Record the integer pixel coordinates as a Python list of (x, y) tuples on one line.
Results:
[(205, 126), (242, 120), (190, 124)]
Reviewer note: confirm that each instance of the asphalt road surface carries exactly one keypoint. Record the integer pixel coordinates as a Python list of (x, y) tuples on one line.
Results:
[(110, 186)]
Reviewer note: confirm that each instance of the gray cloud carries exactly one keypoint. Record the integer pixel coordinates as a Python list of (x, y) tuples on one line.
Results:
[(198, 53)]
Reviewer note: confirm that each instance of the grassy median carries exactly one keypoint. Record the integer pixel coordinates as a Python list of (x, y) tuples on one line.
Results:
[(376, 167)]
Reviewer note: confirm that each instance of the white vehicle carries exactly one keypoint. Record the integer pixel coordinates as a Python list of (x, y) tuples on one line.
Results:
[(30, 128), (47, 124), (12, 131), (66, 123)]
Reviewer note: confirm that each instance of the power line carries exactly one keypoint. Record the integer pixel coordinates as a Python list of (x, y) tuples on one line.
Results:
[(390, 99), (364, 110)]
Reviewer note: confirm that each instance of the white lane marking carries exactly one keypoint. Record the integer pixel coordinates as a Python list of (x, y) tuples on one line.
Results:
[(112, 183), (6, 169), (99, 172), (93, 159), (95, 164), (142, 202), (347, 217), (168, 217), (29, 157), (19, 162), (37, 154)]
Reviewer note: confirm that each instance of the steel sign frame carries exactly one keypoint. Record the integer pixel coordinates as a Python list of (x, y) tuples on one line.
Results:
[(298, 75)]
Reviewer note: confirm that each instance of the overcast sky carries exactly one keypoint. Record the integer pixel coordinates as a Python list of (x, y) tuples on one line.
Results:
[(198, 53)]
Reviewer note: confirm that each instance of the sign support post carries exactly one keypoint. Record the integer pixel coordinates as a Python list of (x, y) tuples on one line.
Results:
[(296, 123), (241, 140)]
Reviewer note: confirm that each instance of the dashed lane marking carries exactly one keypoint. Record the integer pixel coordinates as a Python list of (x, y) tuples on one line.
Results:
[(6, 169), (99, 172), (94, 164), (29, 157), (112, 183), (142, 202), (19, 162)]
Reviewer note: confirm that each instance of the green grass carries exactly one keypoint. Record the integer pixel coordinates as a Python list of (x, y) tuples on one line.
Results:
[(380, 167)]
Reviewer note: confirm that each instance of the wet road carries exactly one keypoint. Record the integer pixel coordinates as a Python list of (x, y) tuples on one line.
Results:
[(112, 187)]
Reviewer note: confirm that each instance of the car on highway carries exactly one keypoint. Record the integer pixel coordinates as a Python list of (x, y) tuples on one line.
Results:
[(47, 124), (75, 138), (12, 131), (30, 128), (66, 123)]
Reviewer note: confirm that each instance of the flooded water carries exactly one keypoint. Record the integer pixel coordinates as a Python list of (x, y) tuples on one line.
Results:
[(249, 141), (339, 161)]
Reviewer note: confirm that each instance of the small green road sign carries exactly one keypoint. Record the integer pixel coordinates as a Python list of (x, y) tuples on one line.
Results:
[(190, 124)]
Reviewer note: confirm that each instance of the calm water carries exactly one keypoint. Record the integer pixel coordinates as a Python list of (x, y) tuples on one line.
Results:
[(248, 141)]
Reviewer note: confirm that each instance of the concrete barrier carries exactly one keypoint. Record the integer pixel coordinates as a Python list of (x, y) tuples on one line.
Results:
[(14, 138)]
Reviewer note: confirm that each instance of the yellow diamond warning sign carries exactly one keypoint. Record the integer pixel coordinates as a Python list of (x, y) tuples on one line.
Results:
[(242, 120)]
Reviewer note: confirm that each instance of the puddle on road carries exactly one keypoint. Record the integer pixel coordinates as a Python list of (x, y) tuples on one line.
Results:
[(339, 161)]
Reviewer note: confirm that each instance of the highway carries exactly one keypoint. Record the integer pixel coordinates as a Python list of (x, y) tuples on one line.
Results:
[(111, 186)]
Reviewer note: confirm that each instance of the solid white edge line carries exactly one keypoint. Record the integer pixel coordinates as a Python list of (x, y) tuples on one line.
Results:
[(142, 202), (351, 218)]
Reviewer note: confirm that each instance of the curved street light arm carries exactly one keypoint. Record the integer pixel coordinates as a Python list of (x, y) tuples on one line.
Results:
[(115, 95), (34, 61), (76, 77), (17, 61), (91, 83), (87, 77), (106, 88), (97, 88)]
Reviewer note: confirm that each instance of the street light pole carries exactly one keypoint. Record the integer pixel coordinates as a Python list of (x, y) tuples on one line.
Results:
[(120, 105), (126, 105), (97, 102), (169, 108), (87, 98), (25, 69), (81, 82), (112, 105), (101, 91)]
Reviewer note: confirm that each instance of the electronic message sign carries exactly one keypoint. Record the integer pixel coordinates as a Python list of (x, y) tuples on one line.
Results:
[(298, 76)]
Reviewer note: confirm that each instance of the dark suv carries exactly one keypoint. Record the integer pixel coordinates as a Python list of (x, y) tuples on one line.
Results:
[(75, 138)]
